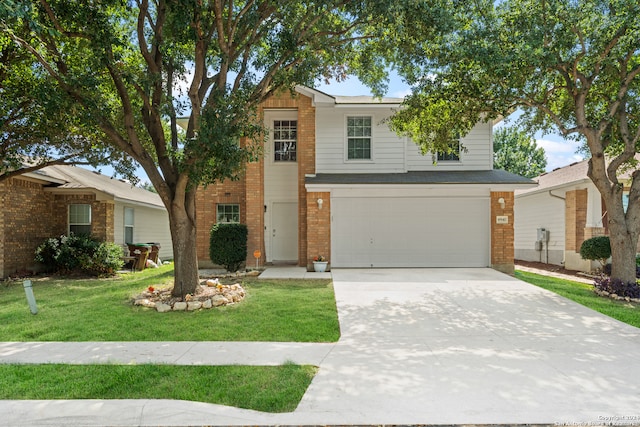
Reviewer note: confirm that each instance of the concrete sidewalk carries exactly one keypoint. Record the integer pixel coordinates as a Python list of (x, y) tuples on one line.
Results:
[(418, 346)]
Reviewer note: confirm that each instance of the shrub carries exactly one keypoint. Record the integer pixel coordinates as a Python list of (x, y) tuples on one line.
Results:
[(617, 286), (596, 248), (79, 253), (228, 245)]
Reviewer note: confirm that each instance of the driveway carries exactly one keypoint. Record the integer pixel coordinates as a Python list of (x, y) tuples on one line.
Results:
[(472, 346), (418, 346)]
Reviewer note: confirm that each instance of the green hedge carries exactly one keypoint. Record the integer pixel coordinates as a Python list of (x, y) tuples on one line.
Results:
[(596, 248), (80, 253), (228, 245)]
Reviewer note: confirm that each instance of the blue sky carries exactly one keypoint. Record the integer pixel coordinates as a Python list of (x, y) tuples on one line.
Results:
[(559, 151)]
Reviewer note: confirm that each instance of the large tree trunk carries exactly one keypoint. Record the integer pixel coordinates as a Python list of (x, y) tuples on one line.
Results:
[(624, 240), (182, 220)]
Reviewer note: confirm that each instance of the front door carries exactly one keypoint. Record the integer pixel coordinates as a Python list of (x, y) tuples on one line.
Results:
[(284, 232)]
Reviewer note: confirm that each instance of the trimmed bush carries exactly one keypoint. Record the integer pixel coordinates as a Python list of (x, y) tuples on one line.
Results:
[(228, 245), (597, 249), (80, 253)]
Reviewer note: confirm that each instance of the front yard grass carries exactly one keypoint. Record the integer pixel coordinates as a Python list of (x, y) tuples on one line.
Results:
[(101, 310), (582, 293), (261, 388)]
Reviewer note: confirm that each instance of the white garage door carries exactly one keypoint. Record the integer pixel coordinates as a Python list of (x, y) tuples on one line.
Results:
[(410, 232)]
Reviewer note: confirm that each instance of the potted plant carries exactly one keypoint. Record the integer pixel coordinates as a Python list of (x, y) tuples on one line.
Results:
[(320, 264)]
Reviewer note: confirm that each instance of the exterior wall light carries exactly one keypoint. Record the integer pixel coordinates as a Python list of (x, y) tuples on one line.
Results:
[(320, 201), (501, 201)]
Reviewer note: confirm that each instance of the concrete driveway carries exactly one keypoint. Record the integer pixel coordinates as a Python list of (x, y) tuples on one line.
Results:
[(418, 346), (471, 346)]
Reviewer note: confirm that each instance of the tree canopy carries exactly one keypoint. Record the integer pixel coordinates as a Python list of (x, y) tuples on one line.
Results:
[(515, 151), (39, 125), (571, 66), (131, 68)]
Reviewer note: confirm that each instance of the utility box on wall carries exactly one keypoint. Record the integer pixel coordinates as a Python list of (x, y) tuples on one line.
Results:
[(538, 245), (543, 235)]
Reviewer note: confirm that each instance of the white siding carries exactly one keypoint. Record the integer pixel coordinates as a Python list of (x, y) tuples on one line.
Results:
[(388, 150), (539, 211), (390, 153), (150, 225), (478, 156)]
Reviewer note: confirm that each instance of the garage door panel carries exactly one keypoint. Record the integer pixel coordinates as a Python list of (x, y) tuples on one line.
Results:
[(410, 232)]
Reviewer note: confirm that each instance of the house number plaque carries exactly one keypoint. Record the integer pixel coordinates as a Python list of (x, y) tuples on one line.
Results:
[(502, 219)]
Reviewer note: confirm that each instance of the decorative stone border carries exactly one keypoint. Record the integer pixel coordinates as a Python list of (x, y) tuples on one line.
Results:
[(208, 295), (615, 296)]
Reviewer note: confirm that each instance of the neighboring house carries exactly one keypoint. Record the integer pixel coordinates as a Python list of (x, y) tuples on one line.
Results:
[(57, 200), (335, 181), (569, 207)]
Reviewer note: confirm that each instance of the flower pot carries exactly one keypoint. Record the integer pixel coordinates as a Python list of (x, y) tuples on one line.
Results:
[(320, 266)]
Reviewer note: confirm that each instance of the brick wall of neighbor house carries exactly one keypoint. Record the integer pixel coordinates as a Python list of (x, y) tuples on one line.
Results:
[(502, 235), (575, 219), (26, 223), (3, 189), (318, 227), (102, 213), (249, 191)]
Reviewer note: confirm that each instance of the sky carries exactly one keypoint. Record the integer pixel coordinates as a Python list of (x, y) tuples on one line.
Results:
[(559, 151)]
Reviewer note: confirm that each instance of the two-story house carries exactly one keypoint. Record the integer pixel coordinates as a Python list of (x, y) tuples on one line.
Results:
[(336, 181)]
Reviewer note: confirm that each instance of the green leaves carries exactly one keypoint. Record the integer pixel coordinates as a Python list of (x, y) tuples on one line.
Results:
[(515, 151)]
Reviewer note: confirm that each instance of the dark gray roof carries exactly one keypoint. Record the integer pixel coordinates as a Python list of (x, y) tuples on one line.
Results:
[(422, 177)]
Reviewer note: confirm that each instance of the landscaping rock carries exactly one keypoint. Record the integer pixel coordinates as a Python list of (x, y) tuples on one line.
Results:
[(207, 304), (163, 308), (194, 305), (180, 306), (219, 300), (145, 302)]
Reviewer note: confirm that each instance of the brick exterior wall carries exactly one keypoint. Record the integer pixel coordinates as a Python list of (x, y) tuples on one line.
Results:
[(318, 227), (30, 215), (575, 219), (502, 235), (26, 224), (249, 191)]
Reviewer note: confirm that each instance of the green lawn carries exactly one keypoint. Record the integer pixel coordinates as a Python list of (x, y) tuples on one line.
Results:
[(261, 388), (583, 294), (101, 310)]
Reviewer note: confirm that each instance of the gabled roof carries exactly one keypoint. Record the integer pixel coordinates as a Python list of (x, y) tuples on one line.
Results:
[(483, 177), (64, 177), (320, 98), (573, 174)]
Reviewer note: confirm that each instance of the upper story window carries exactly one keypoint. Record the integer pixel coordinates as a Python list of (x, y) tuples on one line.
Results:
[(285, 137), (128, 225), (452, 155), (359, 138), (80, 219), (228, 213)]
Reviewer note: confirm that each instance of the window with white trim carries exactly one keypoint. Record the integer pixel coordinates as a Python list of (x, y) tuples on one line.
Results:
[(451, 155), (80, 219), (359, 138), (128, 225), (228, 213), (285, 138)]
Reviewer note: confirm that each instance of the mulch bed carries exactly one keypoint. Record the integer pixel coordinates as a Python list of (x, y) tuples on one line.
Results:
[(549, 267)]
